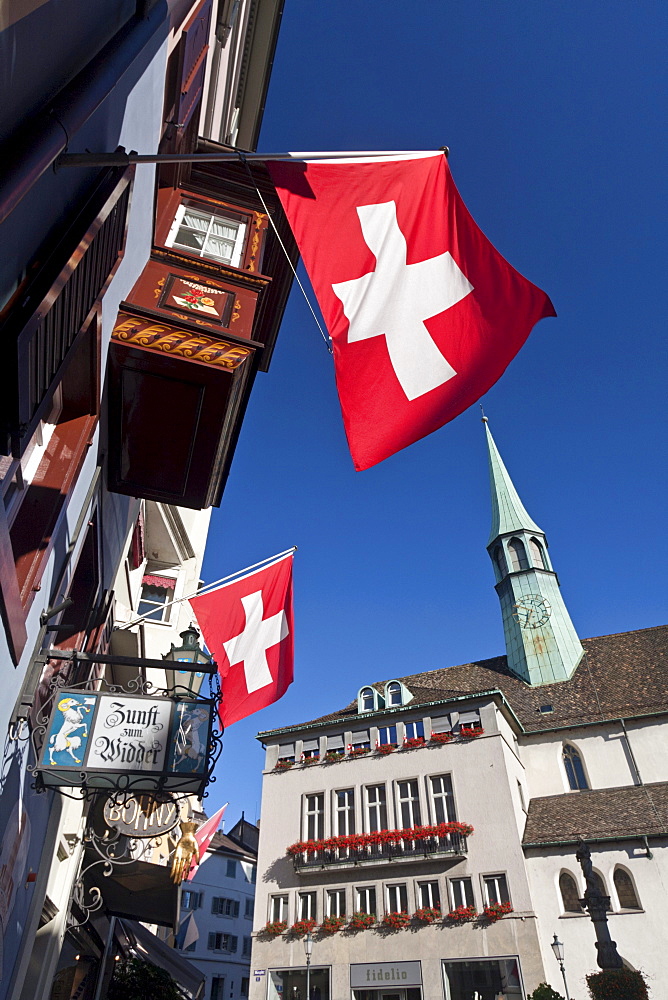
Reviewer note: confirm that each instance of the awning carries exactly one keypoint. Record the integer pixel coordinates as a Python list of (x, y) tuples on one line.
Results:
[(335, 742), (441, 724), (155, 951), (465, 718), (311, 744)]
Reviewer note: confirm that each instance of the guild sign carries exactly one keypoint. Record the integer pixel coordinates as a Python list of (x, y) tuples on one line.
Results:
[(130, 742), (141, 815)]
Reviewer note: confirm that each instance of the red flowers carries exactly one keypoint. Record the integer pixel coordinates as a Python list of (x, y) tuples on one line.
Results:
[(385, 748), (357, 840), (302, 927), (396, 921), (283, 765), (427, 914), (461, 914), (441, 738), (331, 925), (275, 927), (494, 911), (468, 733), (360, 921), (412, 742)]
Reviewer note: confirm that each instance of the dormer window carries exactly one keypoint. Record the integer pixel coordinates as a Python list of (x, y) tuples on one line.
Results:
[(394, 694), (213, 234), (367, 699)]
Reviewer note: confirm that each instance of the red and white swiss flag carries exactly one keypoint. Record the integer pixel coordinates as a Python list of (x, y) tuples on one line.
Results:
[(247, 625), (424, 314)]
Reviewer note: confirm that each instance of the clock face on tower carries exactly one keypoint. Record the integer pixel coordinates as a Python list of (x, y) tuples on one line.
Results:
[(532, 611)]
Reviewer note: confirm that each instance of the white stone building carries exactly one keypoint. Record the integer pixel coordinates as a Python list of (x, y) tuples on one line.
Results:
[(558, 739), (217, 908)]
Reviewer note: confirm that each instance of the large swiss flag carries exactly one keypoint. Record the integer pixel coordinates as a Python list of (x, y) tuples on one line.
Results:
[(247, 625), (424, 314)]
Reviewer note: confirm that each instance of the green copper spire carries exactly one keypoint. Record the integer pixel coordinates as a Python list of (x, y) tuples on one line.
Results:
[(542, 645), (508, 512)]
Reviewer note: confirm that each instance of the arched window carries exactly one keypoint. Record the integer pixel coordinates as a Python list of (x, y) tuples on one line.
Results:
[(570, 896), (394, 693), (575, 772), (500, 561), (600, 885), (367, 699), (518, 554), (537, 555), (626, 893)]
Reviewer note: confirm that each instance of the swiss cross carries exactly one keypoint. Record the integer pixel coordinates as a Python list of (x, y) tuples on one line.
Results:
[(394, 301), (251, 645)]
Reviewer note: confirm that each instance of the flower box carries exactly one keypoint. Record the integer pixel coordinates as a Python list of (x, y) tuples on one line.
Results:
[(467, 733), (283, 765), (275, 927), (461, 914), (302, 927), (385, 748), (396, 921), (358, 751), (331, 925), (441, 738), (360, 921), (310, 760), (413, 742), (333, 757), (494, 911), (358, 840), (427, 914)]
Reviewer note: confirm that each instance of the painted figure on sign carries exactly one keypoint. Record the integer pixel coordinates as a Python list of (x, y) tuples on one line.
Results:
[(65, 740)]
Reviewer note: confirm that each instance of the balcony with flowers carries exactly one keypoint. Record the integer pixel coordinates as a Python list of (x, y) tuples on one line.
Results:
[(418, 843)]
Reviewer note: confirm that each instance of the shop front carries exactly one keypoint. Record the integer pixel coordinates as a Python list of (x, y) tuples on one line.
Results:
[(483, 979), (291, 984), (386, 981)]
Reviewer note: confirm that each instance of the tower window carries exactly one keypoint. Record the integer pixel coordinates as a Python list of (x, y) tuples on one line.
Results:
[(500, 561), (518, 554), (537, 555), (626, 893), (577, 779), (570, 897)]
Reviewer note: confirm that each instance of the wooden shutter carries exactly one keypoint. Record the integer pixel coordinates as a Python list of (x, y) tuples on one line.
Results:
[(194, 47)]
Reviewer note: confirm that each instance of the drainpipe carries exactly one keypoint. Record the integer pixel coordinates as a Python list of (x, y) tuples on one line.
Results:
[(32, 149)]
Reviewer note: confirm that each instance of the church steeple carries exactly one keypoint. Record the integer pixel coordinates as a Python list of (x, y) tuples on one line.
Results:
[(542, 645)]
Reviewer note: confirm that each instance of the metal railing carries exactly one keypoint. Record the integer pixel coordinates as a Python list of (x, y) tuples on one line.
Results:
[(375, 854)]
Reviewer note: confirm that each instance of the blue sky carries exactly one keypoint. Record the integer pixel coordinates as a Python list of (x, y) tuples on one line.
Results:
[(554, 115)]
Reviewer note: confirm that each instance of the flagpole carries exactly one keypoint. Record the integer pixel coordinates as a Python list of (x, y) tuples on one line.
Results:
[(239, 575), (122, 159)]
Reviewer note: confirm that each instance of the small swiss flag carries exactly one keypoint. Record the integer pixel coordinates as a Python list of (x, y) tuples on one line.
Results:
[(424, 314), (247, 625)]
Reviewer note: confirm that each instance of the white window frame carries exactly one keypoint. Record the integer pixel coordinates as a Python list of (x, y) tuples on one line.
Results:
[(335, 902), (307, 905), (495, 880), (444, 797), (412, 803), (378, 807), (458, 892), (364, 894), (429, 893), (278, 907), (210, 210), (172, 595), (344, 816), (393, 894), (315, 814)]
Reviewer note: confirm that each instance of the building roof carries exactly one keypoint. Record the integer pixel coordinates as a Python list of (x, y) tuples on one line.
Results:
[(624, 675), (598, 814), (221, 842)]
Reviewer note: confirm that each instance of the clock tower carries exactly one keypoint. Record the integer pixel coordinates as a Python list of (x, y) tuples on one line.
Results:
[(541, 643)]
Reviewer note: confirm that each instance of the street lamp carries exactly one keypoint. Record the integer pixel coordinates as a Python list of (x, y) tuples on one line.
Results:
[(308, 948), (558, 949), (197, 663)]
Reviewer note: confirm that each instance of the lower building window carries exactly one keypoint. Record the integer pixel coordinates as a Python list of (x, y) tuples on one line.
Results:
[(279, 908), (290, 984), (461, 892), (483, 978), (496, 889), (217, 988), (429, 895)]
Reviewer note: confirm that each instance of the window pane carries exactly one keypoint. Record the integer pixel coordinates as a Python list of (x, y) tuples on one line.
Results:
[(388, 734), (409, 804), (220, 249), (307, 906), (414, 729), (496, 889), (279, 908), (152, 602), (344, 812), (429, 894), (442, 798), (336, 903), (397, 898), (569, 893), (376, 808), (625, 890), (394, 692), (367, 700), (461, 892), (537, 553), (366, 899), (196, 220), (518, 555), (574, 769), (315, 817)]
